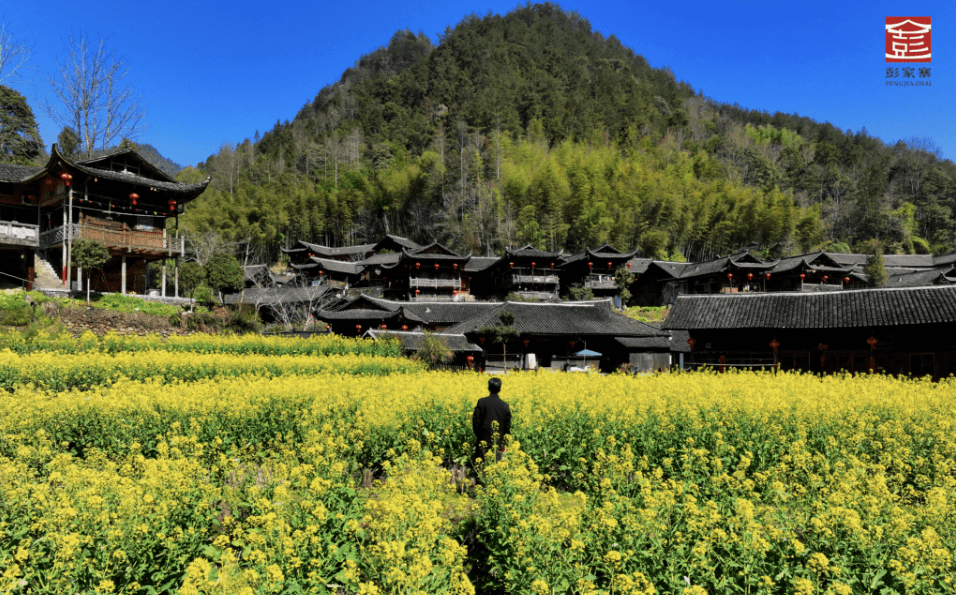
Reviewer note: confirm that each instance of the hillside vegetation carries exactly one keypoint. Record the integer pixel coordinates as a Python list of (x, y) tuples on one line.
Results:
[(532, 127)]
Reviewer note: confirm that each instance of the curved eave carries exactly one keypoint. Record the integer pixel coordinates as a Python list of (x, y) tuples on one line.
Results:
[(58, 162)]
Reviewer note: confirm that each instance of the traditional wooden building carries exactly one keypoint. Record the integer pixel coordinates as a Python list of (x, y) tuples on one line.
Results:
[(118, 199), (435, 272), (897, 331), (529, 273), (595, 270), (548, 333)]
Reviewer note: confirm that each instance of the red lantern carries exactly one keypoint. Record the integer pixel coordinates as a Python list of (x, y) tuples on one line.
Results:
[(824, 278), (750, 276), (590, 264), (436, 266), (383, 327), (455, 266), (802, 276), (730, 276), (572, 342), (691, 342), (358, 327), (321, 273), (328, 328), (872, 341), (525, 341), (418, 265), (767, 276), (133, 198), (629, 266), (172, 205), (511, 265), (417, 291), (552, 265), (774, 344), (66, 178), (609, 264), (470, 359), (532, 264), (846, 279), (404, 327)]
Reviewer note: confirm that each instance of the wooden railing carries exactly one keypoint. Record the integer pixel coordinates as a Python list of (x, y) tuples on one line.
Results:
[(21, 234), (600, 282), (132, 240), (421, 282)]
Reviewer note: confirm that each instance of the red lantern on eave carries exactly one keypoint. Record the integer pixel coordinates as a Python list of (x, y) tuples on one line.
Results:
[(436, 266), (552, 265), (802, 276), (590, 264), (750, 276), (774, 344), (358, 327), (628, 266), (418, 265), (767, 276), (172, 205), (525, 341), (532, 264), (511, 265), (133, 197), (404, 327), (417, 291), (846, 279), (66, 178), (730, 276), (824, 278), (470, 359), (383, 327), (455, 266), (872, 342)]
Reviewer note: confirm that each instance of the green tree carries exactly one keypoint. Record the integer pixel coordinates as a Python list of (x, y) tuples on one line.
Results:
[(623, 278), (502, 332), (875, 268), (90, 255), (19, 137), (191, 274), (224, 273), (434, 351)]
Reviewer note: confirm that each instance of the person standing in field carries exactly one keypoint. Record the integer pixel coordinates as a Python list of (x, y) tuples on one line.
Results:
[(491, 422)]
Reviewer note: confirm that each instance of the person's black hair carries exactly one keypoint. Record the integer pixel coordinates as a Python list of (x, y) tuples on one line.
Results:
[(494, 385)]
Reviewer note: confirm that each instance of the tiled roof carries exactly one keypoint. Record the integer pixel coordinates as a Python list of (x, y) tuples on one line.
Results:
[(646, 342), (390, 259), (142, 163), (560, 319), (429, 251), (943, 276), (908, 260), (10, 172), (531, 252), (335, 266), (361, 249), (403, 242), (476, 264), (190, 190), (412, 341), (723, 265), (356, 314), (840, 309), (944, 259)]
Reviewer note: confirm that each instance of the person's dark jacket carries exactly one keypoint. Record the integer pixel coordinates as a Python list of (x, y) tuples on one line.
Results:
[(491, 409)]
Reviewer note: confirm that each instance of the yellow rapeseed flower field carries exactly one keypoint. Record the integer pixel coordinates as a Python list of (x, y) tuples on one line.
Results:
[(254, 470)]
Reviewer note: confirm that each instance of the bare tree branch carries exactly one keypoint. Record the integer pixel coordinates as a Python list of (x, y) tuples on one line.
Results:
[(92, 99), (13, 56)]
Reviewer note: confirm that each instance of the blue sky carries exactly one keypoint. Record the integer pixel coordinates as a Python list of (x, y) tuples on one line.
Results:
[(213, 72)]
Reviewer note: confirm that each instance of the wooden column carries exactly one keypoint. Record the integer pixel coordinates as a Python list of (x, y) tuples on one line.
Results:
[(164, 279), (123, 274)]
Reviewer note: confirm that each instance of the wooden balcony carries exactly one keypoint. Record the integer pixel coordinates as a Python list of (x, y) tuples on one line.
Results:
[(436, 283), (19, 234), (600, 282), (129, 240)]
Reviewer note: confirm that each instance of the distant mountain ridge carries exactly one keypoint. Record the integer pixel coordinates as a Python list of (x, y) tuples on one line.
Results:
[(530, 127)]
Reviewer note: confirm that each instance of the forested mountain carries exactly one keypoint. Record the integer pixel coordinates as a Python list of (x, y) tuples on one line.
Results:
[(532, 127)]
